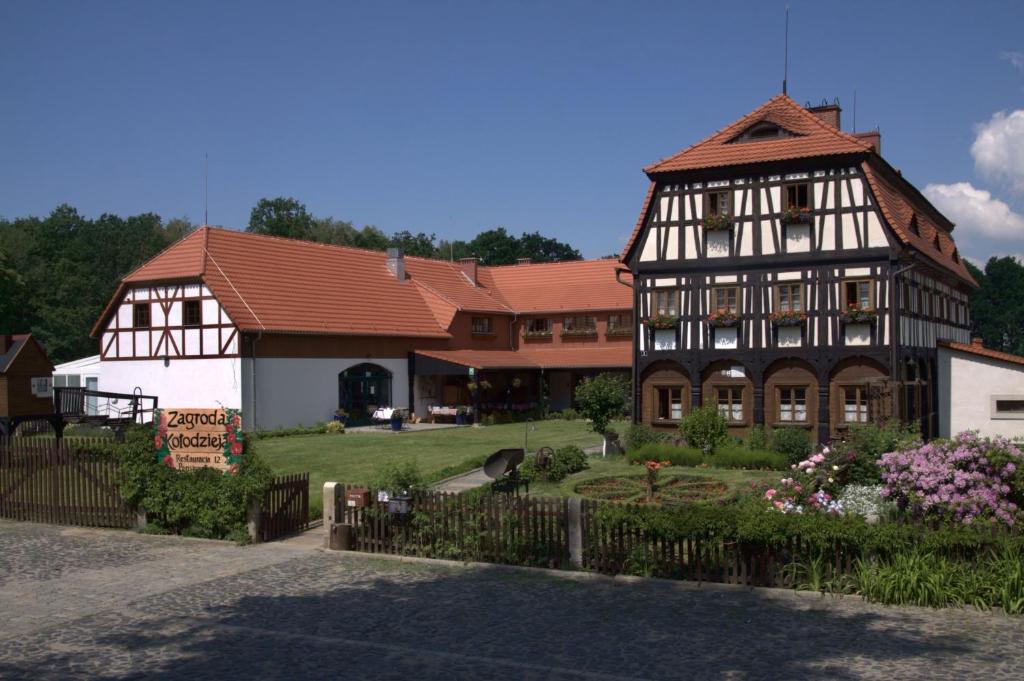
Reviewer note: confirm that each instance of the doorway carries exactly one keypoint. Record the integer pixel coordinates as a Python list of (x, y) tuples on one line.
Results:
[(362, 389)]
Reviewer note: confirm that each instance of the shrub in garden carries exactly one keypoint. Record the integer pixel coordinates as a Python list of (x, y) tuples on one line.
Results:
[(677, 456), (564, 462), (704, 428), (399, 477), (759, 437), (965, 479), (750, 459), (865, 443), (638, 435), (794, 443), (336, 427), (570, 414), (866, 501), (201, 503), (602, 398)]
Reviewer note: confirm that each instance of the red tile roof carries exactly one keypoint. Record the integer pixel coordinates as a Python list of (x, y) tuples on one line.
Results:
[(811, 137), (290, 286), (900, 211), (615, 356), (983, 352), (558, 287)]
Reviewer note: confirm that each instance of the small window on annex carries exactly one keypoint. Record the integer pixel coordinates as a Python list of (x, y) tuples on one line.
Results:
[(789, 298), (192, 313), (855, 404), (483, 325), (670, 404), (140, 315), (538, 326), (724, 299), (798, 196), (730, 403), (859, 293), (1008, 407), (792, 405), (580, 324), (620, 322), (718, 203), (666, 302)]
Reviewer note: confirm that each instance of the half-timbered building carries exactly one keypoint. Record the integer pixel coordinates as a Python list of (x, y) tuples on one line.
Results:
[(291, 331), (785, 272)]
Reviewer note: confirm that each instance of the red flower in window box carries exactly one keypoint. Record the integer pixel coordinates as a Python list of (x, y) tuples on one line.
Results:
[(662, 322), (723, 319), (716, 223), (788, 318), (855, 314), (797, 216)]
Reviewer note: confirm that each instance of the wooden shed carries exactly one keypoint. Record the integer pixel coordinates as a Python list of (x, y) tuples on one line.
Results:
[(26, 383)]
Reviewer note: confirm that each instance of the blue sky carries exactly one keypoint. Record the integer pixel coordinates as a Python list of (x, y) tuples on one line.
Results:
[(453, 117)]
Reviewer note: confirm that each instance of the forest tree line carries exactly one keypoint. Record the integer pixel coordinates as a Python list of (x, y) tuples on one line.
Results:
[(58, 272)]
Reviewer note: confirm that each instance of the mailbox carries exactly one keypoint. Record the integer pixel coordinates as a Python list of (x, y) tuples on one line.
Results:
[(357, 497)]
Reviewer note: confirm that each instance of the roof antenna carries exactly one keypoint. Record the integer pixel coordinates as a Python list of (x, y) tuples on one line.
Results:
[(785, 66), (855, 111), (206, 189)]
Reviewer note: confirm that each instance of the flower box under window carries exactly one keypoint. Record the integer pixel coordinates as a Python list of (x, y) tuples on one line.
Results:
[(797, 216), (579, 333), (788, 318), (858, 315), (537, 335), (663, 322), (723, 319), (619, 332), (717, 223)]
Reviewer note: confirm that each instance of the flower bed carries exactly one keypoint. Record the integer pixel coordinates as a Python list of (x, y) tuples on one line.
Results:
[(679, 489)]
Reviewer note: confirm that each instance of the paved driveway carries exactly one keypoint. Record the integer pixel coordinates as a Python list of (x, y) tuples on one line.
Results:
[(112, 605)]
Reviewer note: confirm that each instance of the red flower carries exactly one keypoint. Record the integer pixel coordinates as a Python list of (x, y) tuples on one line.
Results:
[(236, 449), (237, 421), (233, 468), (232, 438), (169, 461), (158, 441)]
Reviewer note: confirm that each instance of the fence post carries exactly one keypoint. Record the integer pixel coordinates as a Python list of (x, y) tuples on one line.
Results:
[(253, 521), (331, 492), (575, 533), (140, 518)]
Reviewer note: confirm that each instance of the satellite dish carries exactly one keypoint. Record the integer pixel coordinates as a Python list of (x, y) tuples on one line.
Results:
[(502, 462)]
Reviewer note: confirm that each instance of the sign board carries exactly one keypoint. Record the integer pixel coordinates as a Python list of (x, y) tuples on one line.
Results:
[(42, 386), (199, 438)]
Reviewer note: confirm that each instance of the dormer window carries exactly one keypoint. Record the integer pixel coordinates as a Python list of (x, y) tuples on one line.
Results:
[(763, 132), (914, 227)]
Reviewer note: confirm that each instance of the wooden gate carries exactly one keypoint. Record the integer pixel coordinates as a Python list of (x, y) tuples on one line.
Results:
[(54, 482), (285, 507)]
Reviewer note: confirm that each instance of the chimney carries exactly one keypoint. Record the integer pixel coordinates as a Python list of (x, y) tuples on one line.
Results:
[(827, 113), (872, 137), (469, 268), (396, 263), (977, 342), (523, 261)]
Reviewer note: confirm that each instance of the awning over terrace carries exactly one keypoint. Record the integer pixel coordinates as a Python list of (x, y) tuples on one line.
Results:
[(450, 362)]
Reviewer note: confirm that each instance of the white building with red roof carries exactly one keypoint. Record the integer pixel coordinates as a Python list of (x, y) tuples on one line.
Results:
[(290, 331)]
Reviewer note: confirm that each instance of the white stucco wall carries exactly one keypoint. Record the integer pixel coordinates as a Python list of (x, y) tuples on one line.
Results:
[(290, 391), (966, 385), (182, 383)]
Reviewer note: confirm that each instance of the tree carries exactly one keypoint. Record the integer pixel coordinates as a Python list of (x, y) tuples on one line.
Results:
[(418, 244), (540, 248), (495, 247), (280, 217), (600, 399), (997, 308)]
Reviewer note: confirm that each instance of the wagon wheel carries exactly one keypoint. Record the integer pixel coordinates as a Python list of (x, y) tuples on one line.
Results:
[(543, 458)]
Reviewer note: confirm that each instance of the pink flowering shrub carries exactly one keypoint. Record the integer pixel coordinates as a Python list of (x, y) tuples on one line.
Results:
[(812, 487), (964, 479)]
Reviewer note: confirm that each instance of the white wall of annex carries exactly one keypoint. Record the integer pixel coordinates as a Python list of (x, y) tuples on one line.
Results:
[(182, 383), (966, 386), (290, 391)]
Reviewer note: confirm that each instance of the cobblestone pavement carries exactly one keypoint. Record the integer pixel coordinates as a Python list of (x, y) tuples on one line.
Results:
[(112, 605)]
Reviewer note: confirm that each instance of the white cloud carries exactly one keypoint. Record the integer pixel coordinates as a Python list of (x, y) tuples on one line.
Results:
[(976, 212), (998, 148), (1016, 59)]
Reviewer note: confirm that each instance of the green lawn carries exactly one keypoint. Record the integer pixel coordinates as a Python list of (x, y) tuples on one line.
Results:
[(355, 458), (602, 467)]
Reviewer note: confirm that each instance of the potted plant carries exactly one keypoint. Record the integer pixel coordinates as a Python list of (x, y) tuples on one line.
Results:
[(473, 386), (790, 318), (721, 319), (341, 416), (855, 314), (396, 420), (797, 216), (715, 223), (460, 416), (516, 382), (485, 385), (662, 322)]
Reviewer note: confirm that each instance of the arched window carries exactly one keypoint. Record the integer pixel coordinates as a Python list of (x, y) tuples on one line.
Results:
[(362, 388)]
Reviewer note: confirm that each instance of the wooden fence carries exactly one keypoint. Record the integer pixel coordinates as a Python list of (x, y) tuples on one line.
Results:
[(63, 483), (566, 533), (285, 507), (491, 528)]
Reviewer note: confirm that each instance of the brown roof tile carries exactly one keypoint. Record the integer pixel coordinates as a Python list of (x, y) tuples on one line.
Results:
[(575, 285), (983, 352), (616, 356)]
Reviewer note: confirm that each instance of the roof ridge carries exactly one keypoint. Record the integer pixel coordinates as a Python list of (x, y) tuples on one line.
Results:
[(161, 252)]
